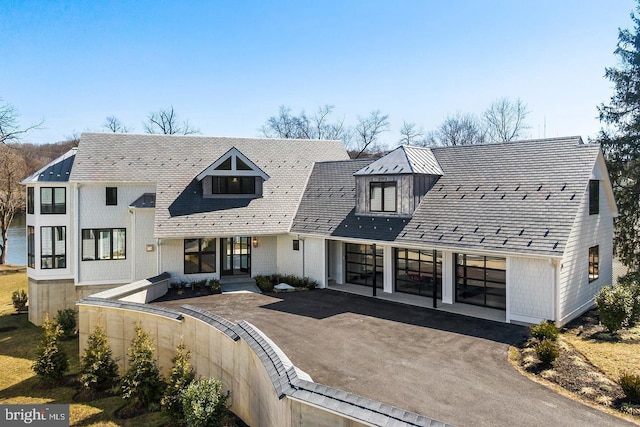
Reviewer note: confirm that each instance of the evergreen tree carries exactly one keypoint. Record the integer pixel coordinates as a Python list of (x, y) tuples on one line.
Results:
[(182, 375), (621, 142), (51, 362), (98, 368), (142, 381)]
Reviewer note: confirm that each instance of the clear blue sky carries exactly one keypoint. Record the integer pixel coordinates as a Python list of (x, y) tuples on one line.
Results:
[(227, 65)]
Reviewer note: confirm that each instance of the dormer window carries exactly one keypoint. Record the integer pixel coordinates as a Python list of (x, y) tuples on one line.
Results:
[(383, 196), (232, 175)]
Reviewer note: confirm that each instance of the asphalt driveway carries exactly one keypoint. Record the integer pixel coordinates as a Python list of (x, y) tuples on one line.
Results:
[(448, 367)]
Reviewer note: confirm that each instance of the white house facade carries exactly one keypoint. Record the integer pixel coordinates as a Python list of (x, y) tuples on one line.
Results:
[(523, 229)]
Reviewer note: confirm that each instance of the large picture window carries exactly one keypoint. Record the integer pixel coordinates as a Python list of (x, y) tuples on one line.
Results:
[(481, 280), (104, 244), (364, 265), (233, 185), (53, 200), (419, 272), (31, 247), (53, 247), (594, 263), (382, 196), (199, 256), (594, 197), (30, 200)]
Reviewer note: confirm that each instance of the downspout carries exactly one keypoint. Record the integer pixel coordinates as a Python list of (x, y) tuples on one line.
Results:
[(78, 233), (302, 240)]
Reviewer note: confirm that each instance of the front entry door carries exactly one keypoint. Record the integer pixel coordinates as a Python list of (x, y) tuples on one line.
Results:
[(235, 255)]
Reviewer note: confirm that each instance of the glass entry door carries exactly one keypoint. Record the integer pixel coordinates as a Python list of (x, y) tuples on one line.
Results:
[(235, 255)]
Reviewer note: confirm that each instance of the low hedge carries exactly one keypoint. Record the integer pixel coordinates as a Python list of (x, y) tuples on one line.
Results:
[(267, 283)]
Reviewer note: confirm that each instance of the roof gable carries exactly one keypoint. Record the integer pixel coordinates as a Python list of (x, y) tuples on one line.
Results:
[(232, 163), (404, 160)]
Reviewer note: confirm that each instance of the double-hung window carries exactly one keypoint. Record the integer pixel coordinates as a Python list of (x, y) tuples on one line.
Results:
[(104, 244), (382, 196), (53, 200), (53, 247)]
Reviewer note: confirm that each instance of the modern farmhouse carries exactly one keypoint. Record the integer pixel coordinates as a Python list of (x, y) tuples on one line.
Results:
[(519, 228)]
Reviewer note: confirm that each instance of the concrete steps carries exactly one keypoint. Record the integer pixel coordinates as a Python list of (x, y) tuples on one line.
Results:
[(239, 284)]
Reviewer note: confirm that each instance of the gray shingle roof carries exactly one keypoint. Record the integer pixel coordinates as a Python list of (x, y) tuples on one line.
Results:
[(518, 197), (57, 170), (404, 160), (174, 162)]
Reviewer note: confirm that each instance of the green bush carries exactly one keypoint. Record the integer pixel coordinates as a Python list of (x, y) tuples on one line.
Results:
[(182, 375), (631, 281), (545, 330), (615, 304), (98, 368), (142, 381), (67, 320), (214, 286), (630, 384), (547, 351), (264, 283), (51, 362), (204, 403), (19, 298)]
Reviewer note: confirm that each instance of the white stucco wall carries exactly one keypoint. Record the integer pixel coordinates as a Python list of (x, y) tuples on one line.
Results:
[(94, 213), (575, 291), (530, 289)]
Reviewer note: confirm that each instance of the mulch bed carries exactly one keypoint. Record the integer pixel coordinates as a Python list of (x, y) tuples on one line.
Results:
[(574, 373)]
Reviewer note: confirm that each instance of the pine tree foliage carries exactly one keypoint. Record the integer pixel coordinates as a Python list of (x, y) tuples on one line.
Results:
[(98, 368), (182, 374), (52, 362), (142, 381), (620, 142)]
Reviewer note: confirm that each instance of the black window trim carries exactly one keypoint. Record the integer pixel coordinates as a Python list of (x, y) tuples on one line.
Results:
[(594, 263), (53, 247), (96, 241), (111, 196), (53, 201), (31, 246), (241, 185), (384, 185), (31, 200), (199, 254), (594, 197)]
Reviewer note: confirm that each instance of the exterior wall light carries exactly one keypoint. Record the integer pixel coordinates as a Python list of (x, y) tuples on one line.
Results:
[(150, 248), (254, 242)]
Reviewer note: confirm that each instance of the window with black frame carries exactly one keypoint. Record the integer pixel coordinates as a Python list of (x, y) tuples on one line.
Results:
[(233, 185), (382, 197), (53, 247), (53, 200), (363, 265), (31, 247), (30, 200), (199, 256), (104, 244), (418, 272), (481, 280)]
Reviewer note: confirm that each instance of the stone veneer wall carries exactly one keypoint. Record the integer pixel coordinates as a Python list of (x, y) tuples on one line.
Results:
[(265, 389)]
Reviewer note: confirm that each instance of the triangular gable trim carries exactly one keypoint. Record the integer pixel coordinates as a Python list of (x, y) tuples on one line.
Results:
[(234, 154)]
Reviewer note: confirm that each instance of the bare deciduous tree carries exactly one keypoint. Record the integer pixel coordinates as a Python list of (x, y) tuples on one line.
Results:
[(165, 121), (504, 120), (115, 125), (411, 134), (319, 126), (459, 129), (14, 169), (10, 130), (367, 130)]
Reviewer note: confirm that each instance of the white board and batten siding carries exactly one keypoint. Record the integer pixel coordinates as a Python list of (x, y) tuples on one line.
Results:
[(575, 293)]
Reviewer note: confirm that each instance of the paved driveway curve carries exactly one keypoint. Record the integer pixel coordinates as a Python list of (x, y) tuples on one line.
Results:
[(447, 367)]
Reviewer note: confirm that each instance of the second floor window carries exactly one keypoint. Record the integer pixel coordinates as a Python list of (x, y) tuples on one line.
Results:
[(382, 196), (30, 200), (104, 244), (233, 185), (112, 196), (31, 247), (53, 200), (594, 197)]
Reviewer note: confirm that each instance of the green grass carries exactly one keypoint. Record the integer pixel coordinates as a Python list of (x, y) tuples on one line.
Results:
[(18, 384)]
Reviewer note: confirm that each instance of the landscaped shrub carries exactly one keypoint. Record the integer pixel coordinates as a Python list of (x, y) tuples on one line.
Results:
[(264, 283), (545, 330), (204, 403), (182, 375), (142, 381), (214, 286), (630, 384), (547, 351), (98, 368), (19, 298), (614, 305), (632, 282), (67, 320), (51, 362)]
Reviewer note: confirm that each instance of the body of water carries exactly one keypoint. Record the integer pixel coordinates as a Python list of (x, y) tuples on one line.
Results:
[(17, 241)]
